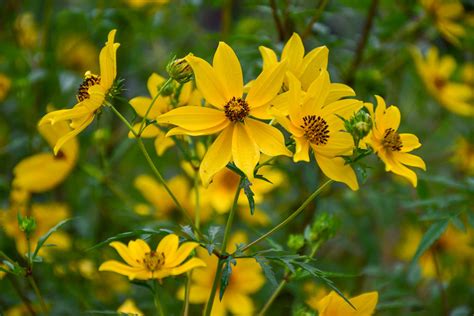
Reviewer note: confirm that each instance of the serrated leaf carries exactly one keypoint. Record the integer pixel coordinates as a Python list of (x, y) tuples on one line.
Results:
[(226, 274), (245, 184), (133, 233), (267, 270), (188, 230), (213, 231), (45, 237), (261, 177), (432, 234)]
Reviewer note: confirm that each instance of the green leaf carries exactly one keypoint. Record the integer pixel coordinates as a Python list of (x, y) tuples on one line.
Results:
[(188, 231), (431, 235), (45, 237), (245, 184), (267, 270), (226, 273), (137, 232)]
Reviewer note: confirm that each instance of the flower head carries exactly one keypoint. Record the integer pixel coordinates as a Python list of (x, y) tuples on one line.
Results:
[(446, 15), (393, 148), (144, 263), (91, 95), (241, 137), (317, 125)]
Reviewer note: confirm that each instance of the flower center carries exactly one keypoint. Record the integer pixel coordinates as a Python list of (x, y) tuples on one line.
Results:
[(391, 140), (439, 83), (89, 80), (236, 109), (154, 260), (316, 129)]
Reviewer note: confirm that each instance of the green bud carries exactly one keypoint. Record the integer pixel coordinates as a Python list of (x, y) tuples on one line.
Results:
[(295, 242), (168, 89), (101, 135), (359, 125), (301, 310), (180, 70), (27, 225), (323, 228)]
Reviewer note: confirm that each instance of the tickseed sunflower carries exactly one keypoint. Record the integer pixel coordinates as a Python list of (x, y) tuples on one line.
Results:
[(91, 95), (446, 15), (241, 137), (334, 305), (316, 124), (393, 148), (144, 263)]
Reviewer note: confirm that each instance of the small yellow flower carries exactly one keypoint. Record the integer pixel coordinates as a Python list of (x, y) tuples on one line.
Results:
[(5, 84), (26, 30), (144, 263), (317, 125), (446, 15), (436, 73), (463, 156), (246, 279), (129, 308), (241, 137), (334, 305), (91, 95), (393, 148)]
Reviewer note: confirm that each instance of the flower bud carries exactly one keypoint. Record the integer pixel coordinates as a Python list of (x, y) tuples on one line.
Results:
[(27, 224), (323, 228), (359, 125), (180, 70), (295, 242)]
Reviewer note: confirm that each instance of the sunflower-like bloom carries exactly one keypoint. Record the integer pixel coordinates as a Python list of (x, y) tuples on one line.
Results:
[(246, 280), (446, 15), (144, 263), (316, 124), (393, 148), (436, 73), (91, 95), (187, 96), (241, 137), (334, 305)]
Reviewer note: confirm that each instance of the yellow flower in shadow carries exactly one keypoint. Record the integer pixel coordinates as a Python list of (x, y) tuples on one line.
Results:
[(91, 95), (246, 279), (47, 215), (447, 15), (317, 125), (144, 263), (436, 73), (334, 305), (130, 308), (391, 147), (241, 137)]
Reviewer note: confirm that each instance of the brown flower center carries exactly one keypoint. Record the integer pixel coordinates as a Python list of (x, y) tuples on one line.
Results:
[(236, 109), (153, 260), (316, 129), (89, 81), (391, 140), (439, 83)]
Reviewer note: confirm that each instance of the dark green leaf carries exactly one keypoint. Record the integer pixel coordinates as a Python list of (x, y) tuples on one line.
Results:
[(245, 184), (137, 232), (431, 235), (225, 277), (45, 237), (267, 270)]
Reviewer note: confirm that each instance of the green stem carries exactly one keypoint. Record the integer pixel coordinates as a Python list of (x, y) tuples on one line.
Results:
[(22, 295), (217, 277), (273, 297), (33, 284), (156, 300), (123, 119), (187, 291), (289, 218), (197, 207), (142, 124)]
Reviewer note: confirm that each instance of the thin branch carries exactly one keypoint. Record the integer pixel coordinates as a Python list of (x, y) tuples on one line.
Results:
[(315, 18), (278, 23)]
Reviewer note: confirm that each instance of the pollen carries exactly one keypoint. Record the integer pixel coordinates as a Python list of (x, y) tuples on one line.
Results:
[(89, 80), (154, 261), (391, 140), (236, 109), (316, 129)]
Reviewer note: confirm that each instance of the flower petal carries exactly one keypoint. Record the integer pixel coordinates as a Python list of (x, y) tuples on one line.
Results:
[(266, 86), (227, 67), (107, 60), (293, 52), (72, 134), (138, 248), (120, 268), (268, 56), (240, 304), (410, 160), (193, 118), (338, 91), (124, 252), (207, 131), (188, 265), (302, 149), (268, 138), (409, 142), (336, 169), (162, 143), (168, 246), (181, 254), (245, 152), (313, 63), (315, 99), (153, 84)]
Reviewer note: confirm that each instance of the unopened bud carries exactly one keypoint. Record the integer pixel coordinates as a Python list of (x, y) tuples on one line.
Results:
[(295, 242), (323, 228), (180, 70), (27, 225), (359, 125)]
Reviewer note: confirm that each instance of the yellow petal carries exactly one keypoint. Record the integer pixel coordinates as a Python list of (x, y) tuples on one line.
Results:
[(293, 52), (193, 118), (339, 143), (409, 142), (338, 91), (313, 63), (168, 245), (188, 265), (141, 105), (336, 169), (240, 304), (268, 138), (162, 143), (393, 165), (245, 152), (266, 86), (344, 108), (410, 160), (207, 131), (138, 248), (317, 94), (290, 126), (269, 57), (181, 254), (207, 81), (391, 119), (217, 156), (365, 303), (120, 268), (72, 134), (150, 131), (123, 251), (302, 149), (107, 60), (227, 67), (153, 84)]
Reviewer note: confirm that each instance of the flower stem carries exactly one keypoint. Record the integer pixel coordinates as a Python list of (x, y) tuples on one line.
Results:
[(289, 218), (33, 284), (187, 291), (273, 297), (142, 124), (156, 299), (217, 277)]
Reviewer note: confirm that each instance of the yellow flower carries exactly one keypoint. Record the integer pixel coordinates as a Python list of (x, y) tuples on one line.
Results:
[(130, 308), (5, 84), (144, 263), (315, 123), (393, 148), (187, 96), (42, 172), (463, 156), (91, 95), (446, 15), (26, 30), (47, 215), (334, 305), (436, 73), (245, 281), (241, 137)]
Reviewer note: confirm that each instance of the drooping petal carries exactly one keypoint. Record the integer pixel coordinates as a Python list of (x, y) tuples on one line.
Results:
[(206, 131), (293, 53), (217, 156), (188, 265), (266, 86), (268, 138), (162, 143), (193, 118), (245, 152), (120, 268), (391, 164), (336, 169), (107, 60), (409, 160), (227, 67), (268, 56), (124, 252), (181, 254), (63, 115), (302, 149), (208, 82), (72, 134)]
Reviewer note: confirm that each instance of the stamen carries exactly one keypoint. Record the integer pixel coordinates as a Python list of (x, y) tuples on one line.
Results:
[(391, 140), (236, 109), (89, 81), (316, 129), (154, 261)]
